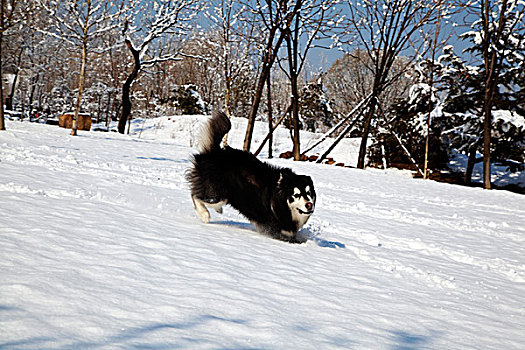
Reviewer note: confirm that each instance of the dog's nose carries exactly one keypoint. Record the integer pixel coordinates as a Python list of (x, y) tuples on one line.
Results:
[(309, 206)]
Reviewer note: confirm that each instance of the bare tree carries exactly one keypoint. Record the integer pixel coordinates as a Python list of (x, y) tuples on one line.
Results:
[(80, 23), (348, 81), (148, 24), (386, 29), (225, 16), (12, 14), (274, 18), (231, 53), (316, 20)]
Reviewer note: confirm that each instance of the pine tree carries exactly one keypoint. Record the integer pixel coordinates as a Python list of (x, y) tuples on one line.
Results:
[(498, 39), (316, 109)]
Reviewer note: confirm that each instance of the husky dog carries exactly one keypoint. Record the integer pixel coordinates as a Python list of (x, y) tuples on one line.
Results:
[(277, 201)]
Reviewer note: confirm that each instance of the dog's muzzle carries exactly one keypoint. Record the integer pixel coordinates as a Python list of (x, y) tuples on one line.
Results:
[(309, 209)]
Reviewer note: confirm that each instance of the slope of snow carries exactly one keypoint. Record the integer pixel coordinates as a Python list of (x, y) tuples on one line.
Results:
[(185, 130), (100, 248)]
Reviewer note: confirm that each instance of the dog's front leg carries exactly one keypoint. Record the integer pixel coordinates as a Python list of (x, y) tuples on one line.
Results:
[(200, 209)]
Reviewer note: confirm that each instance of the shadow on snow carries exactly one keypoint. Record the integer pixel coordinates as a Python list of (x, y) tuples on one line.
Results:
[(305, 233)]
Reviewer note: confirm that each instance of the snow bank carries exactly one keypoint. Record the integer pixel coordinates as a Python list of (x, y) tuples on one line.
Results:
[(185, 130)]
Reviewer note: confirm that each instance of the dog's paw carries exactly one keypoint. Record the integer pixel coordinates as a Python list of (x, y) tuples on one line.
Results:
[(297, 240), (291, 237)]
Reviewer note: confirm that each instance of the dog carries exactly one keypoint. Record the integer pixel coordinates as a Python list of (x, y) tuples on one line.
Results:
[(274, 199)]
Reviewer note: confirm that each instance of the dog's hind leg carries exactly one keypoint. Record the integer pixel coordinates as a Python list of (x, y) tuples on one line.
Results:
[(217, 206), (201, 210)]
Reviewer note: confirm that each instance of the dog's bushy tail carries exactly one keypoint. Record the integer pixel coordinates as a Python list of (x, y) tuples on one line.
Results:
[(213, 132)]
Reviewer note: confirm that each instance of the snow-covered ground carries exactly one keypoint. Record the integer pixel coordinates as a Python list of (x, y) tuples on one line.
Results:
[(100, 248)]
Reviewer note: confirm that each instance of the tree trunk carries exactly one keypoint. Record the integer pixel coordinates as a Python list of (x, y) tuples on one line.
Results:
[(272, 129), (486, 145), (427, 147), (470, 163), (11, 95), (366, 131), (492, 67), (2, 121), (265, 71), (490, 88), (10, 98), (383, 155), (228, 83), (292, 47), (98, 109), (80, 88), (34, 82), (23, 109), (270, 116), (295, 120), (126, 101), (107, 111), (429, 116)]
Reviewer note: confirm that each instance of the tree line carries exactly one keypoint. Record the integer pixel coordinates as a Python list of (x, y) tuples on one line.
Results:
[(424, 99)]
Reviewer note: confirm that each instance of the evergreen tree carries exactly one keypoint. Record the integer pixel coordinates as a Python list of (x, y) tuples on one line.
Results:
[(316, 108), (464, 104), (457, 123), (498, 40), (406, 131)]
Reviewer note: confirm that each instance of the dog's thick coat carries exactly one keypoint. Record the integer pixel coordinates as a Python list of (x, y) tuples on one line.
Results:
[(276, 200)]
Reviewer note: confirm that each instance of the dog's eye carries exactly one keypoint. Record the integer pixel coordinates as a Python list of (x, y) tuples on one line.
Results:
[(309, 194), (296, 195)]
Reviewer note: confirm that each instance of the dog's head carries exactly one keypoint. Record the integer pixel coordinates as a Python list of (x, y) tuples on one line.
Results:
[(300, 196)]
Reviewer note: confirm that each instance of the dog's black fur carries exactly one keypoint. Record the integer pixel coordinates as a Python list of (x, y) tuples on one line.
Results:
[(276, 200)]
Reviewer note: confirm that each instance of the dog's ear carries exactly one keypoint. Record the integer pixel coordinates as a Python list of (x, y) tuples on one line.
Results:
[(284, 176)]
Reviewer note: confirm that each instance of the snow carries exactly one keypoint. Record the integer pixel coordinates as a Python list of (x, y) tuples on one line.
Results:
[(185, 131), (101, 248), (417, 90), (509, 117), (501, 175)]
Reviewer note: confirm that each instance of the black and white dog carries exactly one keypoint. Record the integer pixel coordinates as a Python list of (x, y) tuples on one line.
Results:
[(276, 200)]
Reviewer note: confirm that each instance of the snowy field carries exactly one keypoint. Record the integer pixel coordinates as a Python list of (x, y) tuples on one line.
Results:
[(100, 249)]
